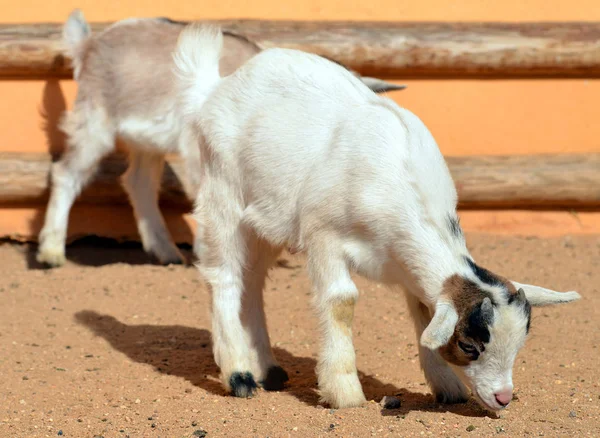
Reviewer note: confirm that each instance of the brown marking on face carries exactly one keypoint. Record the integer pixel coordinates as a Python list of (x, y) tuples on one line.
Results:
[(343, 314), (467, 298)]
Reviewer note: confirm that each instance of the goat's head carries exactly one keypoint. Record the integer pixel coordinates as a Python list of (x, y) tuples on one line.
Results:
[(479, 325)]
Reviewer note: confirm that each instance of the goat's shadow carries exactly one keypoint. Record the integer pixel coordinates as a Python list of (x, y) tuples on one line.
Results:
[(186, 352), (101, 251)]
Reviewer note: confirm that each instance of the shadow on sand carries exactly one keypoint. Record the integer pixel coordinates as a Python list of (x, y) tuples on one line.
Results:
[(186, 352)]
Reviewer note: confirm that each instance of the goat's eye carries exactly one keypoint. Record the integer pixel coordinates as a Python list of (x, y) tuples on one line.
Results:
[(467, 348)]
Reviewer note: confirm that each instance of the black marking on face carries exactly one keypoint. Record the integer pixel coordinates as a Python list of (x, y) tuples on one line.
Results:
[(477, 326), (483, 274), (520, 299), (527, 308), (454, 226), (476, 313)]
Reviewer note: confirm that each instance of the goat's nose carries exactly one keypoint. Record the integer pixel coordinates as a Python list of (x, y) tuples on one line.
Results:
[(504, 397)]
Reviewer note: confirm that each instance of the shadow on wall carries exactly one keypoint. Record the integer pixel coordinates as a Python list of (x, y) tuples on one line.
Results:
[(94, 220), (186, 352)]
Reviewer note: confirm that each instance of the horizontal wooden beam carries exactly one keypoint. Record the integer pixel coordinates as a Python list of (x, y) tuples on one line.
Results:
[(384, 49), (530, 181), (25, 179)]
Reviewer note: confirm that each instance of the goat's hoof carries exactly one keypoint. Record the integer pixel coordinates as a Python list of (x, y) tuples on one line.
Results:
[(341, 390), (174, 262), (51, 257), (276, 378), (243, 385), (165, 260), (451, 399)]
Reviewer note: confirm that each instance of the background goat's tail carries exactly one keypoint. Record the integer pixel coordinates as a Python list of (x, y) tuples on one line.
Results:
[(197, 57), (75, 32)]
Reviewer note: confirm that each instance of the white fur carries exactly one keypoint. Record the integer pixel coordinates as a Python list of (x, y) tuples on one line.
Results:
[(296, 152), (198, 67)]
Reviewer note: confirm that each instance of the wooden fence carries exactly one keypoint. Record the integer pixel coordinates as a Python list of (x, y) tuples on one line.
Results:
[(388, 50)]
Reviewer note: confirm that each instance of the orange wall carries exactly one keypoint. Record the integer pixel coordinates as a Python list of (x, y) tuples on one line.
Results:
[(466, 117), (465, 10)]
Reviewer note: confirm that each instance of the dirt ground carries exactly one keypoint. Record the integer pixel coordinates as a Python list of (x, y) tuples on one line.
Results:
[(111, 345)]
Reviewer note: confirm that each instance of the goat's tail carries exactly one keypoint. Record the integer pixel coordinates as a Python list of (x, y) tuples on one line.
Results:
[(197, 57), (75, 32)]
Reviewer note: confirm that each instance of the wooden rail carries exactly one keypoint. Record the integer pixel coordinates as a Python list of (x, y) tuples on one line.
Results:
[(531, 181), (387, 50)]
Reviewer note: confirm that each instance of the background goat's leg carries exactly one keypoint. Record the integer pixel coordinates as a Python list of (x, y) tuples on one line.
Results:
[(89, 140), (142, 183)]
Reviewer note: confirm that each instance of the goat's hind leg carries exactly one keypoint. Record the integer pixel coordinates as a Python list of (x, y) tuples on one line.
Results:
[(89, 139), (142, 184)]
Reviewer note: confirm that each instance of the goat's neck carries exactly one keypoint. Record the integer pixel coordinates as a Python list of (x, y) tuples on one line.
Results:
[(429, 264)]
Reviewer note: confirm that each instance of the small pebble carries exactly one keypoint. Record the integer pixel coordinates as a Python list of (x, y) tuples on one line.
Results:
[(200, 433), (470, 428), (572, 414), (194, 423), (153, 425), (390, 402), (60, 433)]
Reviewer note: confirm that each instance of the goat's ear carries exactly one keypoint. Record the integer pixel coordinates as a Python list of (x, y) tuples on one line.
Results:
[(440, 329), (380, 86), (539, 296)]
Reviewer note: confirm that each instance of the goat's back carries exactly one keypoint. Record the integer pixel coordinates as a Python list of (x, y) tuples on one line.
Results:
[(129, 67), (301, 137)]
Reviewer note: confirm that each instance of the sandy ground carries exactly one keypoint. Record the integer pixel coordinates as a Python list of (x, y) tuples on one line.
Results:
[(114, 346)]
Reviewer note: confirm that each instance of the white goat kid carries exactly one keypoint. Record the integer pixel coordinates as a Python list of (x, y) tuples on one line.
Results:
[(126, 90), (296, 152)]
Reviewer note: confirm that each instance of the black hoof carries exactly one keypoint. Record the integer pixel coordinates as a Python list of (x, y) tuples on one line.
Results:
[(275, 380), (242, 385)]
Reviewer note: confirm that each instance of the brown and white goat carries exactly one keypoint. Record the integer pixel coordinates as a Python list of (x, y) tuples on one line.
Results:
[(126, 90)]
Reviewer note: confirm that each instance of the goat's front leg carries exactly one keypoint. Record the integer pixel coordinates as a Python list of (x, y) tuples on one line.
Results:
[(444, 383), (260, 256), (336, 296)]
